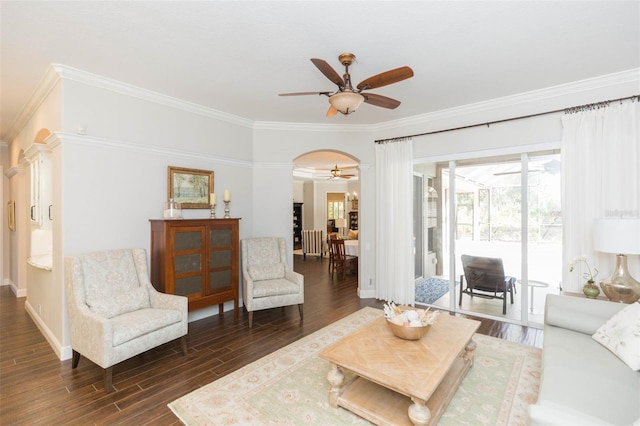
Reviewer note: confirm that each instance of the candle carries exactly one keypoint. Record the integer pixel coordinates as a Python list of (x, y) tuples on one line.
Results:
[(227, 195), (213, 198)]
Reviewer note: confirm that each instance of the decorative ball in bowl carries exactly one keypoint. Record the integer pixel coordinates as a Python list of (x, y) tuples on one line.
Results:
[(407, 332), (409, 324)]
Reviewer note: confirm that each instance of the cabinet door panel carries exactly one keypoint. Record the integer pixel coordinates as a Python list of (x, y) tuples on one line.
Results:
[(188, 240), (188, 285), (220, 237), (186, 263), (220, 259), (219, 280)]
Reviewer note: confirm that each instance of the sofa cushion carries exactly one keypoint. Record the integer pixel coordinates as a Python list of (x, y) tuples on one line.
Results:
[(111, 283), (579, 373), (621, 335), (267, 272), (277, 287), (132, 325)]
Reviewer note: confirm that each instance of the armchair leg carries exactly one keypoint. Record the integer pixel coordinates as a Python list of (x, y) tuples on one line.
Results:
[(300, 309), (250, 319), (76, 359), (183, 344), (108, 379), (504, 305)]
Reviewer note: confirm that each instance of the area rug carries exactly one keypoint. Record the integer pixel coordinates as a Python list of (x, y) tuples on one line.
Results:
[(289, 386), (431, 289)]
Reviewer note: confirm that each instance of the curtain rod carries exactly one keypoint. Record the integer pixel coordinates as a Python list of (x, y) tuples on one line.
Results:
[(565, 110)]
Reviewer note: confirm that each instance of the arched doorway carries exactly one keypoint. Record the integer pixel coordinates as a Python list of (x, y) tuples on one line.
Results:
[(326, 183)]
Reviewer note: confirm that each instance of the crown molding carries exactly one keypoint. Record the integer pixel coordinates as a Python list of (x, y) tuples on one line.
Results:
[(311, 127), (40, 93), (57, 72), (553, 92), (105, 83), (58, 138), (12, 171)]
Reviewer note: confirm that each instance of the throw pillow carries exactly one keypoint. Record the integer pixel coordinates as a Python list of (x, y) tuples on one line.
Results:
[(353, 234), (621, 335), (267, 272), (111, 283)]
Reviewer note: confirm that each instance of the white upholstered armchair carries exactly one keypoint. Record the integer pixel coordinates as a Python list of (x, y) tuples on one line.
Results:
[(267, 279), (114, 311)]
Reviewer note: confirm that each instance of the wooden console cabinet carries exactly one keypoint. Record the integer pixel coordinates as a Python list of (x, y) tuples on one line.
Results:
[(197, 258)]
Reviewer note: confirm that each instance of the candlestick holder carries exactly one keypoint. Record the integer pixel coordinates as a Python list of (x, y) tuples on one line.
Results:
[(213, 211), (226, 209)]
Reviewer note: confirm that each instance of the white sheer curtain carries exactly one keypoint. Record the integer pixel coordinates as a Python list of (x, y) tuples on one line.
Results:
[(394, 222), (601, 178)]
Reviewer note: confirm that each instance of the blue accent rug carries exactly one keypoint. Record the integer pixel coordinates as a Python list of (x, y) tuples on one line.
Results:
[(431, 289)]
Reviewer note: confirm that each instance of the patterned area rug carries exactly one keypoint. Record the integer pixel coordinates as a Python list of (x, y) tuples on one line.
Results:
[(431, 289), (289, 386)]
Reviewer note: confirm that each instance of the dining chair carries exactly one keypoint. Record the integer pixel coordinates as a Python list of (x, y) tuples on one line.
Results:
[(342, 262), (332, 257)]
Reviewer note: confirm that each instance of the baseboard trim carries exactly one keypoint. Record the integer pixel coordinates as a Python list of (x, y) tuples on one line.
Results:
[(62, 352)]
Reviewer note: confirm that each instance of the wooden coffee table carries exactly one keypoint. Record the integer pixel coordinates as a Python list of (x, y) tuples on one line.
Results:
[(401, 381)]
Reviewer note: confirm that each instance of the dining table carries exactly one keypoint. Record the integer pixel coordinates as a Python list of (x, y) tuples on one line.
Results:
[(351, 248)]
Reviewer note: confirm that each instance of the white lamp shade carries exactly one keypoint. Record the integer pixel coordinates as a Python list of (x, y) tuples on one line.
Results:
[(346, 102), (620, 236), (341, 223)]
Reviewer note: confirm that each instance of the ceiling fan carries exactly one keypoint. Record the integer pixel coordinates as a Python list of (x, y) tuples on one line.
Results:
[(336, 173), (552, 167), (346, 99)]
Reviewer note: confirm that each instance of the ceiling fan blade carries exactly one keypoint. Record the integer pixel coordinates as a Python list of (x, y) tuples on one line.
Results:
[(385, 78), (381, 101), (516, 172), (304, 93), (332, 111), (328, 72)]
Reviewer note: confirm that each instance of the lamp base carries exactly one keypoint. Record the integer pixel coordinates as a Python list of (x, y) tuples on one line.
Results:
[(620, 286)]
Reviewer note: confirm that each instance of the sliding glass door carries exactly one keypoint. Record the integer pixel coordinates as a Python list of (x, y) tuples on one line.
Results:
[(485, 205)]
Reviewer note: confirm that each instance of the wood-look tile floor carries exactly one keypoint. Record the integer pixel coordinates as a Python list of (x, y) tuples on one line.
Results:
[(36, 388)]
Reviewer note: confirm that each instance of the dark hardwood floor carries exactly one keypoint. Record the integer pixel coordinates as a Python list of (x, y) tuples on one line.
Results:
[(36, 388)]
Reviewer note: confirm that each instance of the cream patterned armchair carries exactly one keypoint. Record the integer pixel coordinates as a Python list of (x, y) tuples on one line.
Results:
[(267, 279), (114, 311)]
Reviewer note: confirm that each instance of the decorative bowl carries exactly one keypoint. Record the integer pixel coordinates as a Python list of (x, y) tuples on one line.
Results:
[(408, 333)]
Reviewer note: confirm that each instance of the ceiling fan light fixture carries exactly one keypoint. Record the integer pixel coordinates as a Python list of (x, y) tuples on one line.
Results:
[(346, 102)]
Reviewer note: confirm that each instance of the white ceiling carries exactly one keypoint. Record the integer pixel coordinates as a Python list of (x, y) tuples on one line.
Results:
[(236, 56)]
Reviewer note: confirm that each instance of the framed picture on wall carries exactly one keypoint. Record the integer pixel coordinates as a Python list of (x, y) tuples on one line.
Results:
[(189, 187), (11, 215)]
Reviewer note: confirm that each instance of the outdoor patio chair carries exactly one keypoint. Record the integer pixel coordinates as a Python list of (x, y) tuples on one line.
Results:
[(485, 278)]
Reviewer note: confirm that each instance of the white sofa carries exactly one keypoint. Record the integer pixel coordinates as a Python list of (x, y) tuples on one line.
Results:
[(583, 382)]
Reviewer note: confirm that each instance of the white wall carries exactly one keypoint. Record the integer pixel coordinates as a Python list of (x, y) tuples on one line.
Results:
[(110, 181), (275, 144)]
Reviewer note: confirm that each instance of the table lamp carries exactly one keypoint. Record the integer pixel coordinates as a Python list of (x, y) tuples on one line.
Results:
[(620, 236), (341, 224)]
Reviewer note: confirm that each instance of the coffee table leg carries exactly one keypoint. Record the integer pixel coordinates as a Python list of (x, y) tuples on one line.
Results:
[(419, 413), (469, 351), (336, 379)]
